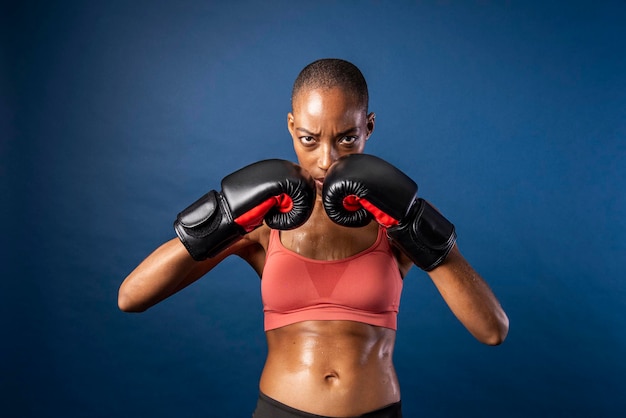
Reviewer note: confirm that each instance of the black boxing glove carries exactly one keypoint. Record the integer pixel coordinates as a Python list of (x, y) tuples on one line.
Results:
[(278, 191), (361, 187)]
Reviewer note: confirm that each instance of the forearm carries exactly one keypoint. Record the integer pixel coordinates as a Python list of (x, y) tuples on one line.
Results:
[(470, 299), (167, 270)]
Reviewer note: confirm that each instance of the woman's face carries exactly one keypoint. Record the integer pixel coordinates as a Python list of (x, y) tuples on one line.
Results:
[(326, 124)]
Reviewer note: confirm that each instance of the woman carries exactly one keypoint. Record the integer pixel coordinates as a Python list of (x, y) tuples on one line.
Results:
[(330, 288)]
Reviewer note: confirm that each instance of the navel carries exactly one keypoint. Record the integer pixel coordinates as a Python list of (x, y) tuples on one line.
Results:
[(331, 377)]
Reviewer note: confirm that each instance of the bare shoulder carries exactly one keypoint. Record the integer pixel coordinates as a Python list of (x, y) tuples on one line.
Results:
[(252, 248), (404, 262), (260, 236)]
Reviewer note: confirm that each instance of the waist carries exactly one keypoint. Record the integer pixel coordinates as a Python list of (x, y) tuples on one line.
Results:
[(332, 368), (271, 408)]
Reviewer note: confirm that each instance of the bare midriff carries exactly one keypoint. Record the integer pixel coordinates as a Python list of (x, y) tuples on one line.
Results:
[(331, 368)]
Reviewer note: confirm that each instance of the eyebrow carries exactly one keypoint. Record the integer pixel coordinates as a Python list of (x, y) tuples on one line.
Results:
[(342, 133)]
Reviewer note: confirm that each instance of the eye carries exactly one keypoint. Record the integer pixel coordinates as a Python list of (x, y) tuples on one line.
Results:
[(307, 140), (349, 140)]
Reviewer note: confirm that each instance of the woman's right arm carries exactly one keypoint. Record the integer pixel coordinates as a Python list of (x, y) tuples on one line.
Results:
[(212, 228), (167, 270)]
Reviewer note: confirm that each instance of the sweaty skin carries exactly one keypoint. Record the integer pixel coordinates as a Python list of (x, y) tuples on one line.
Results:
[(332, 368)]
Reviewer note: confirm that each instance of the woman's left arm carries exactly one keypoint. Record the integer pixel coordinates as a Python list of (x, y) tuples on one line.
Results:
[(470, 299)]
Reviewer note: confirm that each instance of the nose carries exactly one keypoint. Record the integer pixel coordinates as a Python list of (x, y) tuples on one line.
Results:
[(327, 157)]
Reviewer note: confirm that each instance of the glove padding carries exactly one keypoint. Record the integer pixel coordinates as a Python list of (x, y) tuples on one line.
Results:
[(361, 187), (277, 191)]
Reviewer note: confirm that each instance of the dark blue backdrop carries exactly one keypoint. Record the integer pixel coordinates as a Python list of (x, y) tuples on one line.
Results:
[(115, 115)]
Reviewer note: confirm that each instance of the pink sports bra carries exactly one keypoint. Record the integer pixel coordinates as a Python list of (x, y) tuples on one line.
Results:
[(365, 287)]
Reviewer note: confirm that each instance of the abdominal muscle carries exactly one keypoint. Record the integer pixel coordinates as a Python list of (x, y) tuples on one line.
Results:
[(331, 368)]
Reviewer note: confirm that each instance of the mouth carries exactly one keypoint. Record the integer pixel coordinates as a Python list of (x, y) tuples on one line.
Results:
[(319, 182)]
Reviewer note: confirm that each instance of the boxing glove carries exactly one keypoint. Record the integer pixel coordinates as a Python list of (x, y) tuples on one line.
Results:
[(277, 191), (361, 187)]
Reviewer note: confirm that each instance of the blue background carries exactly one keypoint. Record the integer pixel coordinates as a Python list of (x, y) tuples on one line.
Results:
[(510, 115)]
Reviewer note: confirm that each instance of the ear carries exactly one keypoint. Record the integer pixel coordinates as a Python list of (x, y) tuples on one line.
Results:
[(371, 122), (290, 123)]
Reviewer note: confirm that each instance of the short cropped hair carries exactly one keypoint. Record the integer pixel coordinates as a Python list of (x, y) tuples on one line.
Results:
[(329, 73)]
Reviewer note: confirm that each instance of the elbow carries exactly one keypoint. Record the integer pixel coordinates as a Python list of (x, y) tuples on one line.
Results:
[(494, 339), (498, 333), (126, 303)]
